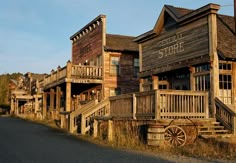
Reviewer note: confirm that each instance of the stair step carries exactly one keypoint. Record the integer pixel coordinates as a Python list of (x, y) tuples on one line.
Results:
[(217, 136), (210, 127), (215, 123), (213, 132)]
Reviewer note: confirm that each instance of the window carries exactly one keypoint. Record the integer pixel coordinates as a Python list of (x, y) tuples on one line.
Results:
[(225, 81), (115, 65), (136, 67), (225, 66), (202, 77), (115, 91), (99, 60)]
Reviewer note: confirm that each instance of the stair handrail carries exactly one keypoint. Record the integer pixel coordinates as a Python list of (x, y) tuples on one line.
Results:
[(85, 126), (79, 111), (225, 115)]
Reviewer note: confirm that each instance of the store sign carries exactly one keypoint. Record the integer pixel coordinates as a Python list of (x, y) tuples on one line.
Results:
[(170, 46)]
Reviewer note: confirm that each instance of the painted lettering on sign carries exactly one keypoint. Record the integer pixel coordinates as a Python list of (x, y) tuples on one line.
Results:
[(170, 46)]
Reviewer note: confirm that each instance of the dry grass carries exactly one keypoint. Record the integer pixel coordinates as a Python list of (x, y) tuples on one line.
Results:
[(127, 136)]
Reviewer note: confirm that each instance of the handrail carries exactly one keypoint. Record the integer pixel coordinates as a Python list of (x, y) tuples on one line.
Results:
[(87, 112), (225, 115), (100, 109)]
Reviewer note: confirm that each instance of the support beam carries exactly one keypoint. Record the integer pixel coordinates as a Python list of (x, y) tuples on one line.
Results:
[(110, 130), (44, 112), (214, 71), (154, 82), (68, 96), (58, 99)]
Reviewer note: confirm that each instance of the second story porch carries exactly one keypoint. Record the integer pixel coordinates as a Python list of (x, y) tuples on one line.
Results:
[(74, 74)]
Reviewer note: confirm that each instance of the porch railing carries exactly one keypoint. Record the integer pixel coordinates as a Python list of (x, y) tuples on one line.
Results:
[(160, 104), (225, 115), (75, 72)]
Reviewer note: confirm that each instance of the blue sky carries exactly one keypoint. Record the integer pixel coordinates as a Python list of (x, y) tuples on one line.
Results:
[(34, 34)]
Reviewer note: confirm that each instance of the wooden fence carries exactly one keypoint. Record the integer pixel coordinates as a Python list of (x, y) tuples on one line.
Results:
[(160, 104)]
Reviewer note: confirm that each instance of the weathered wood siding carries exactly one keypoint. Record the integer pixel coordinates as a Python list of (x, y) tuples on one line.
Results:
[(88, 46), (187, 42), (126, 80)]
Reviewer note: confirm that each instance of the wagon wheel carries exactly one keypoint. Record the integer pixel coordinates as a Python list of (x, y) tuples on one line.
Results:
[(175, 136), (189, 126)]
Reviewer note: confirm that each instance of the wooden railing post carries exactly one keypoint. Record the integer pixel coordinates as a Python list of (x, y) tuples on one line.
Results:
[(83, 124), (110, 130), (68, 69), (71, 123), (134, 107), (95, 128), (234, 125), (207, 105), (157, 105)]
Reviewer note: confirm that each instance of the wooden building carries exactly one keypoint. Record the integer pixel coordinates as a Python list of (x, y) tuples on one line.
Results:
[(102, 65), (191, 50), (26, 96)]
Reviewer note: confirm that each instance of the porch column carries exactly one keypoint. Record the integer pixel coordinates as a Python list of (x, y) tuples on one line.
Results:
[(192, 79), (234, 84), (58, 99), (154, 82), (68, 96), (141, 81), (17, 107), (44, 111), (12, 106), (214, 71), (52, 98), (36, 105)]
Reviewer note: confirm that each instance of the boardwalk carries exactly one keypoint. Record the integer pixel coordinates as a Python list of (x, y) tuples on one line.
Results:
[(22, 141)]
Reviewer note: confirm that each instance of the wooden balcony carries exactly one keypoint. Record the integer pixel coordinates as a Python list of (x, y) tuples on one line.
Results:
[(73, 73)]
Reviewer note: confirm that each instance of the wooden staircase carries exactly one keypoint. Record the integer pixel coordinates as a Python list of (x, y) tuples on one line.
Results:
[(86, 114), (213, 129)]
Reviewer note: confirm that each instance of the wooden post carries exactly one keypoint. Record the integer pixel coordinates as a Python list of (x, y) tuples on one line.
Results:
[(83, 124), (62, 121), (71, 123), (68, 69), (110, 130), (214, 71), (134, 107), (58, 99), (157, 105), (44, 105), (141, 81), (192, 78), (68, 96), (234, 125), (234, 84), (154, 82), (12, 106), (52, 96), (95, 128), (17, 107), (36, 108), (207, 105)]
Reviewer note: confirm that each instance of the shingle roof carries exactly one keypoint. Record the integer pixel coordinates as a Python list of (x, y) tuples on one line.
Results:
[(226, 38), (120, 43)]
